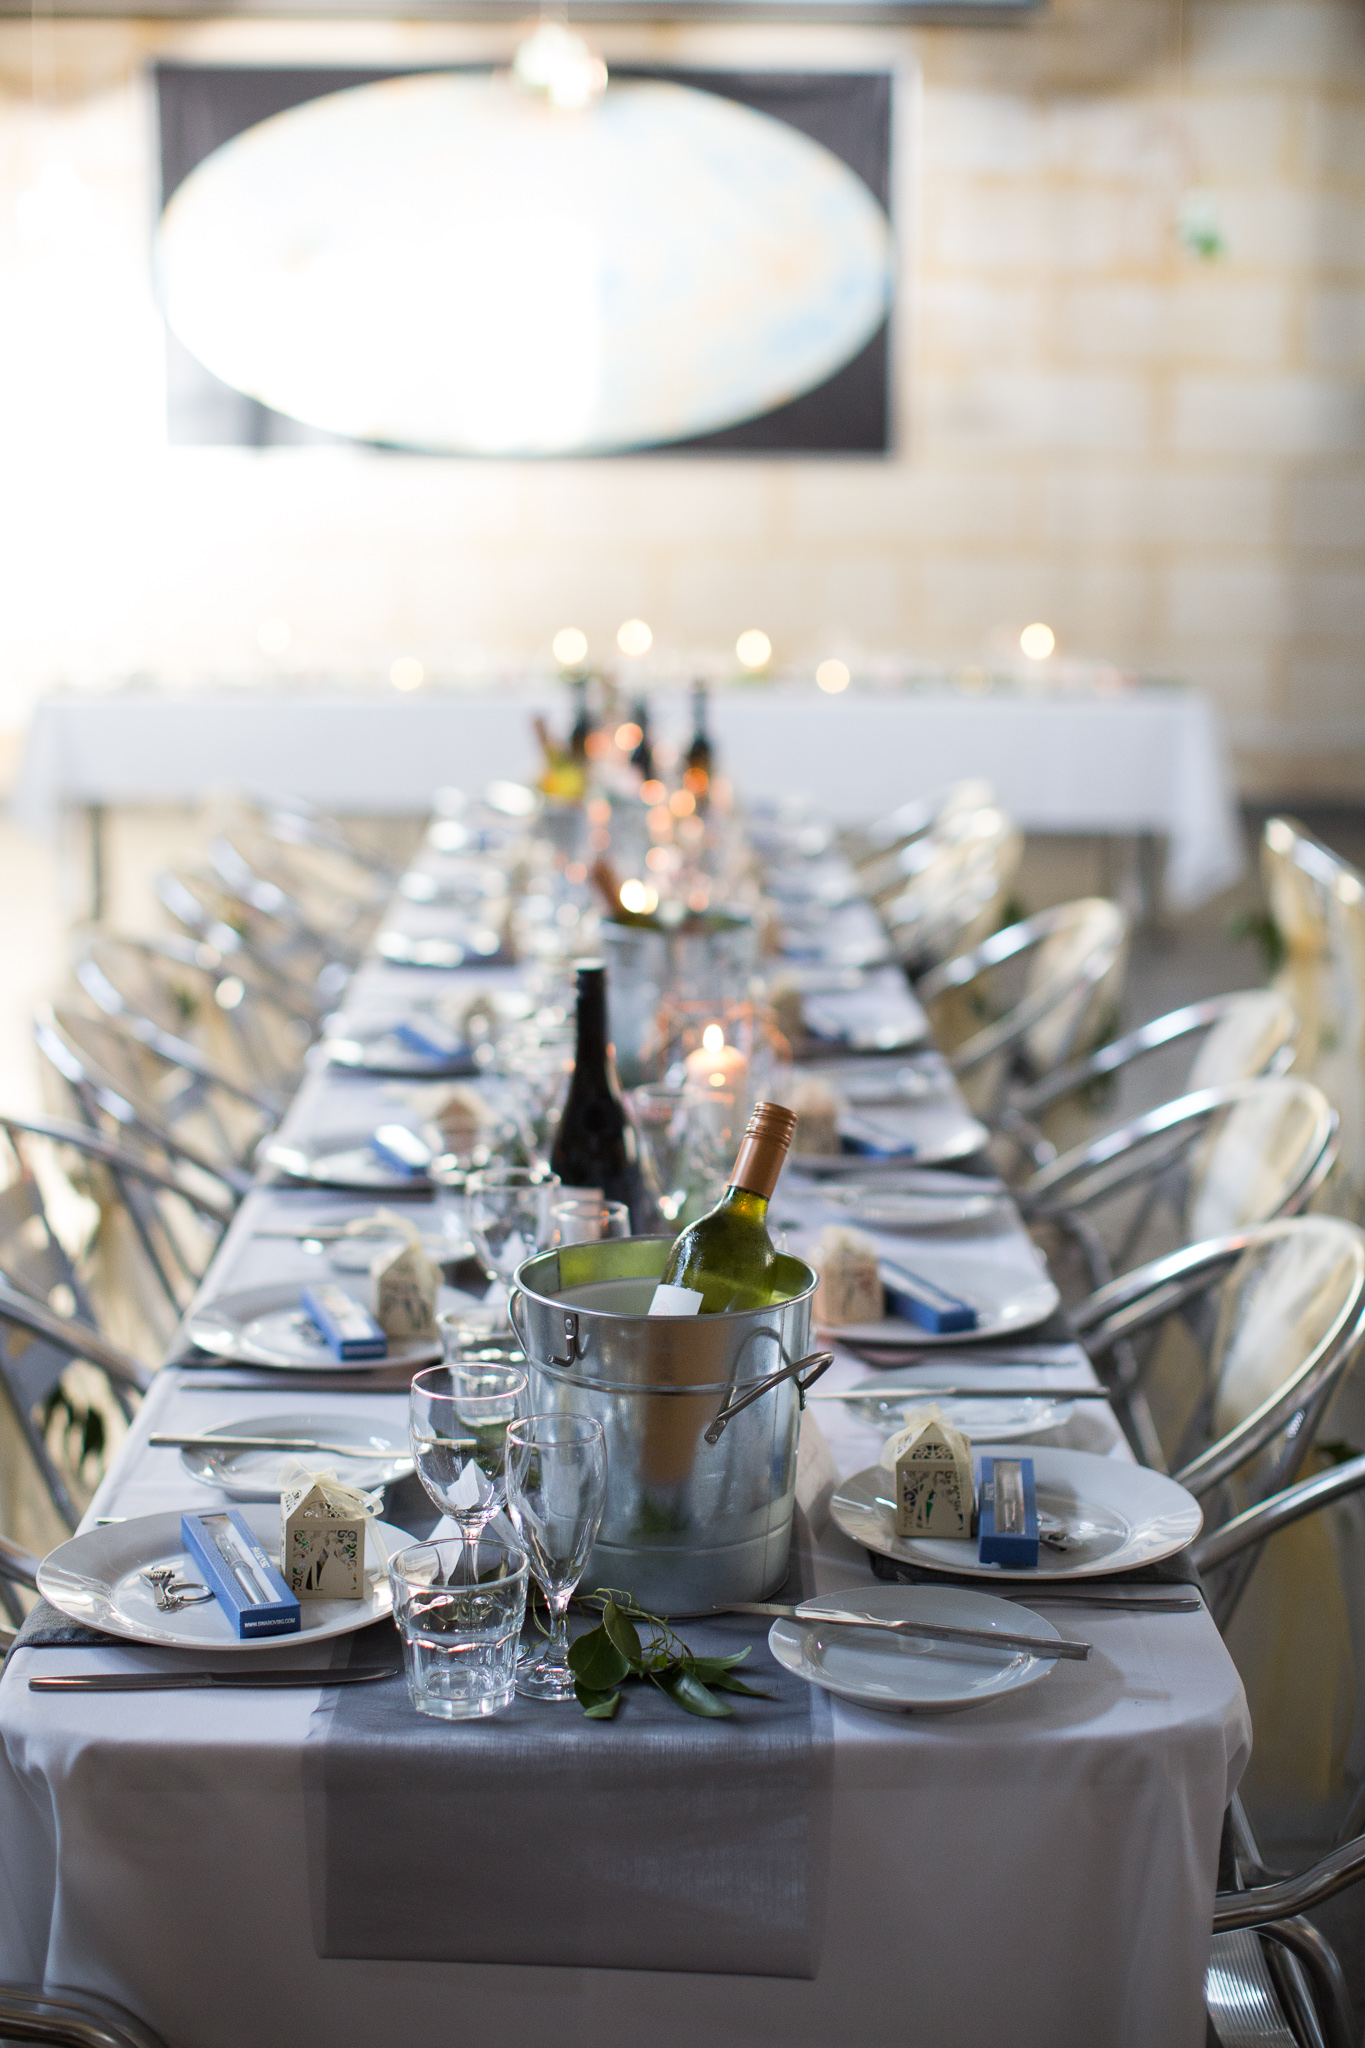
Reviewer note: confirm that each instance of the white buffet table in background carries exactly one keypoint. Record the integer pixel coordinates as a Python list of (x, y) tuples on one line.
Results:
[(1134, 762)]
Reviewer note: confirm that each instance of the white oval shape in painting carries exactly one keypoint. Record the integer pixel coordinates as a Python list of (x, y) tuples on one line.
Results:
[(443, 263)]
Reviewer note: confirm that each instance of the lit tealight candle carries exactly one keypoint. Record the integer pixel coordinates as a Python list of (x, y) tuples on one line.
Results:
[(717, 1065)]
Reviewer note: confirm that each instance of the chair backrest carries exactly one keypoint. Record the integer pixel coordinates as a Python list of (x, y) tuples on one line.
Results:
[(1255, 1034), (1291, 1316), (956, 889), (298, 973), (1075, 958), (185, 988), (117, 1077), (37, 1347), (1075, 977), (1317, 905), (1265, 1155), (920, 815), (111, 1234)]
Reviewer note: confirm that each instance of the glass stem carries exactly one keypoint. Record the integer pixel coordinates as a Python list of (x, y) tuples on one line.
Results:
[(557, 1650)]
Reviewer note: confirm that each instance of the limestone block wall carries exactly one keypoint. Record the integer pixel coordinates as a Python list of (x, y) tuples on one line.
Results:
[(1160, 454)]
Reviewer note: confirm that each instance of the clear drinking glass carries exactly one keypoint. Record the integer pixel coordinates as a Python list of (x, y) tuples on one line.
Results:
[(509, 1216), (460, 1610), (556, 1491), (658, 1114), (458, 1416), (587, 1219)]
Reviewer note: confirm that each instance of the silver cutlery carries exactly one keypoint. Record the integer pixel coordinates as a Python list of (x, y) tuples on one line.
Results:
[(1026, 1393), (207, 1681), (936, 1631), (165, 1441), (1174, 1602)]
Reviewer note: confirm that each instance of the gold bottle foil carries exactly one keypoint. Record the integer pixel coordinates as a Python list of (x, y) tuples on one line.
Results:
[(763, 1148)]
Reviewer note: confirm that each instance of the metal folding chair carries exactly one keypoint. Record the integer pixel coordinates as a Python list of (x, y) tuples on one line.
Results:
[(1273, 1977), (18, 1567), (873, 848), (1220, 1158), (1073, 958), (69, 2019), (302, 976), (185, 989), (1245, 1035), (949, 892), (1290, 1319), (37, 1345), (174, 1219), (163, 1086)]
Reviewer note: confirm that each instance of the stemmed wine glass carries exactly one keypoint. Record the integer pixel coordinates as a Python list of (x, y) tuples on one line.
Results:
[(458, 1419), (556, 1491), (509, 1216)]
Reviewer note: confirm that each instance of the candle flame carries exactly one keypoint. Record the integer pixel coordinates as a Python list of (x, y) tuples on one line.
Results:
[(713, 1038)]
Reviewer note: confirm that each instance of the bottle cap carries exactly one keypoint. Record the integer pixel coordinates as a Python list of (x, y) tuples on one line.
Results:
[(763, 1149)]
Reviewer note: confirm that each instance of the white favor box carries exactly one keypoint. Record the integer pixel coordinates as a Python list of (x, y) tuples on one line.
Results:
[(322, 1549)]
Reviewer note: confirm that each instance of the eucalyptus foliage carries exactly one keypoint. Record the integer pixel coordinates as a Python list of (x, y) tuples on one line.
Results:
[(608, 1657)]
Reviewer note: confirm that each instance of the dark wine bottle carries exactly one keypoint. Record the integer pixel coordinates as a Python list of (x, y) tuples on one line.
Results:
[(643, 757), (595, 1144), (582, 725), (699, 761)]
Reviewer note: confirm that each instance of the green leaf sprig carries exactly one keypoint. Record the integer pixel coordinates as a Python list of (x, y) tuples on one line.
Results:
[(605, 1658)]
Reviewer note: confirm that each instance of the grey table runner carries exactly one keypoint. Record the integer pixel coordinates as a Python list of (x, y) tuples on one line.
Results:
[(656, 1841)]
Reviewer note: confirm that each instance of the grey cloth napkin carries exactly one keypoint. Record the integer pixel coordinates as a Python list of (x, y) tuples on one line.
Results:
[(656, 1841), (45, 1627)]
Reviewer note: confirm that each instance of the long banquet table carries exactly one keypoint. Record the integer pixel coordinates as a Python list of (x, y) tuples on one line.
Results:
[(1038, 1870)]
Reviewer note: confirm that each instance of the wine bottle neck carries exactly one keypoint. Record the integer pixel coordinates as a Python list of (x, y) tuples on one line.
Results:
[(746, 1203)]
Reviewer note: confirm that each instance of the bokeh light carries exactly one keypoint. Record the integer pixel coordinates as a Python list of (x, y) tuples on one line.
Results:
[(569, 647), (634, 638), (1037, 641), (833, 676), (754, 649)]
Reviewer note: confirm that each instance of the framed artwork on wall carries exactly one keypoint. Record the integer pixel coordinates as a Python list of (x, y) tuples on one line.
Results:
[(421, 259)]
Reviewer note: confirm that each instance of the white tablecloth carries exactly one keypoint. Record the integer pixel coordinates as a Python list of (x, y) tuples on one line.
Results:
[(1139, 761), (1039, 1870)]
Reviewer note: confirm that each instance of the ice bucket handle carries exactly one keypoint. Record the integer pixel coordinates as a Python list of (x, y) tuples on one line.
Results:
[(577, 1345), (817, 1361)]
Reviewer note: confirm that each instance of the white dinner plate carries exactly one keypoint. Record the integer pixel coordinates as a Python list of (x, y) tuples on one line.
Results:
[(913, 1675), (347, 1161), (97, 1579), (357, 1253), (935, 1132), (1129, 1515), (384, 1053), (1001, 1418), (268, 1326), (259, 1475), (1007, 1299), (925, 1201)]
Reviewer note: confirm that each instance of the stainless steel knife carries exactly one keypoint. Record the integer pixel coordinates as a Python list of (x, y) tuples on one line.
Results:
[(279, 1679), (813, 1611)]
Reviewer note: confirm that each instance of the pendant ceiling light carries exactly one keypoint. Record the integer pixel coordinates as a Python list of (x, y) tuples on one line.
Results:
[(532, 264)]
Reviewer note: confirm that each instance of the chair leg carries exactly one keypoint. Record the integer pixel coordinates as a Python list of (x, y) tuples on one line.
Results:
[(1329, 2000)]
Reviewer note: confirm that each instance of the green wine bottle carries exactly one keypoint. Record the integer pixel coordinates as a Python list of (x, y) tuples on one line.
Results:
[(727, 1256)]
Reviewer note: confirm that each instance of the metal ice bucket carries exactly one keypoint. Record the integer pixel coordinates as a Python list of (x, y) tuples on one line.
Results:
[(700, 1415)]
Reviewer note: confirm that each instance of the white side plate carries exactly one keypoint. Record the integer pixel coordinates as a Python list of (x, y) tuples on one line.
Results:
[(914, 1675), (258, 1475)]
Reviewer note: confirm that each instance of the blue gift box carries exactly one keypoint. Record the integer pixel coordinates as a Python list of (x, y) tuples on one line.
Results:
[(1007, 1513), (348, 1330), (919, 1301), (247, 1586)]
